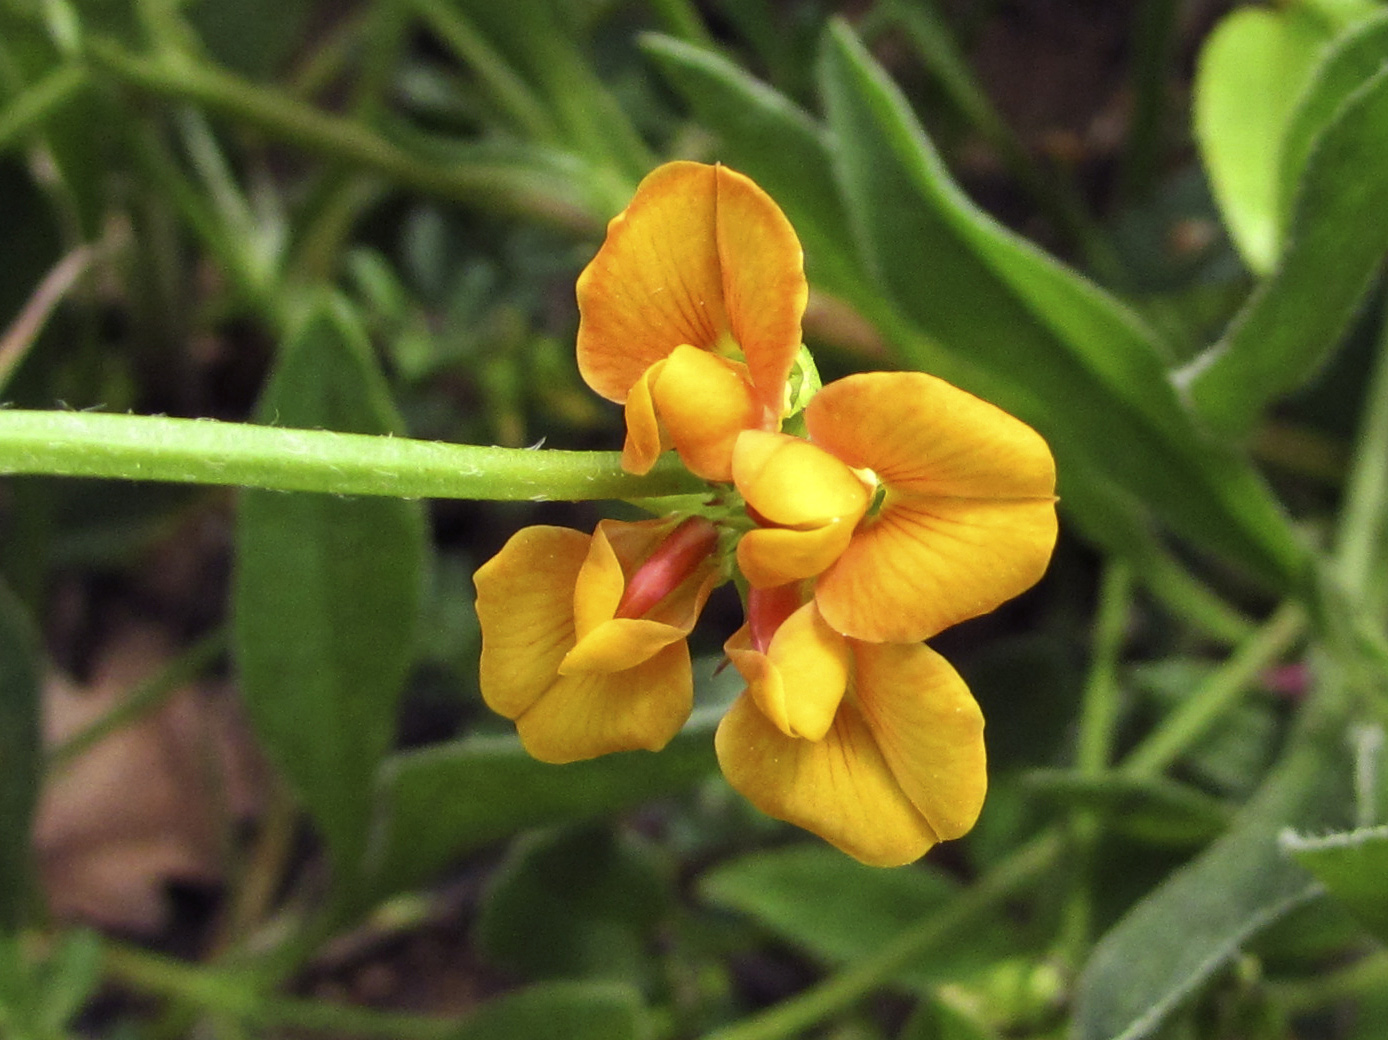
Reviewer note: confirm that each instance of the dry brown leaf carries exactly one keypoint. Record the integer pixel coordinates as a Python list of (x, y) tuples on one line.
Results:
[(151, 803)]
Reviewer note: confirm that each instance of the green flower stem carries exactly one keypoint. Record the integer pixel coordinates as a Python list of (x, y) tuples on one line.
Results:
[(29, 109), (1218, 693), (491, 186), (222, 991), (1360, 543), (790, 1017), (198, 451)]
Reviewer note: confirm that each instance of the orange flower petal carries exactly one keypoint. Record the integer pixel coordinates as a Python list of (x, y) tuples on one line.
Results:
[(704, 401), (525, 608), (701, 256), (770, 556), (596, 713), (644, 440), (619, 644), (841, 787), (800, 679), (968, 520), (928, 728), (656, 282), (764, 287)]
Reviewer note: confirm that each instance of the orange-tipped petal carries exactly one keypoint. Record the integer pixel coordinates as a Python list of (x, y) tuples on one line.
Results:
[(841, 787), (656, 282), (525, 608), (968, 519), (928, 728), (801, 678), (596, 713), (704, 402), (764, 287)]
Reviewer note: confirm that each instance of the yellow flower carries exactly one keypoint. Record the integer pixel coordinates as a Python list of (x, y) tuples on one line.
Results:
[(583, 638), (875, 747), (690, 315), (964, 517)]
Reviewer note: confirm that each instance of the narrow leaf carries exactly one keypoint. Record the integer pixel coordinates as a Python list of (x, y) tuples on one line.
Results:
[(1148, 808), (20, 759), (560, 1011), (1189, 927), (327, 594), (1022, 330), (443, 801), (1338, 239), (1352, 865)]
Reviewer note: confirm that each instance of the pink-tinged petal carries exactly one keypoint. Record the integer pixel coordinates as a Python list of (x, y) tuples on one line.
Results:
[(764, 287), (801, 678), (928, 728), (525, 608), (636, 544), (841, 787), (919, 567), (968, 519), (644, 440), (595, 713), (704, 402), (656, 282)]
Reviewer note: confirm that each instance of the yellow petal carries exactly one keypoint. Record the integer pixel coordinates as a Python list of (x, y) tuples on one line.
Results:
[(655, 283), (704, 402), (525, 609), (769, 556), (840, 787), (618, 644), (968, 519), (800, 679), (595, 713), (644, 441), (601, 580), (764, 287), (928, 728)]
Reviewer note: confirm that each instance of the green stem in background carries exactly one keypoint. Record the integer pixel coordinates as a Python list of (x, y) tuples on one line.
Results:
[(143, 698), (1368, 976), (507, 88), (201, 451), (28, 111), (497, 186), (1153, 42), (1218, 693), (839, 991), (222, 991), (1359, 548), (1094, 749), (681, 19)]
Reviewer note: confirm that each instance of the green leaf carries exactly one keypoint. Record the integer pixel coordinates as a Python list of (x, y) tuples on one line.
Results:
[(841, 911), (1251, 71), (560, 1011), (20, 756), (1352, 61), (1296, 318), (575, 902), (1352, 865), (1190, 926), (442, 801), (1150, 809), (327, 593), (1002, 319)]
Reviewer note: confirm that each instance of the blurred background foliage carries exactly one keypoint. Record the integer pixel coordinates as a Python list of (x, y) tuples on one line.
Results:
[(249, 788)]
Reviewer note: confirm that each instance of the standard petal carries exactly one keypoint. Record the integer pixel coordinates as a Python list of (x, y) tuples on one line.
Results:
[(801, 678), (704, 402), (585, 715), (841, 787), (928, 728), (764, 287), (655, 283), (525, 609), (922, 565), (968, 519)]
